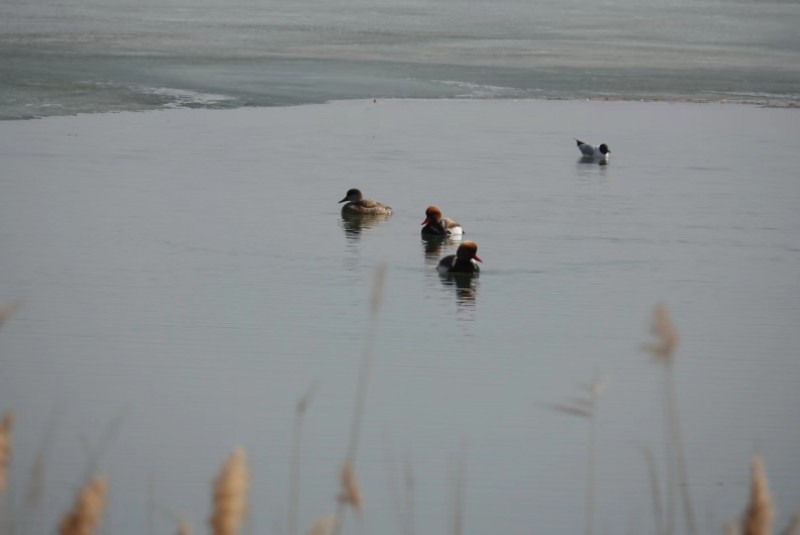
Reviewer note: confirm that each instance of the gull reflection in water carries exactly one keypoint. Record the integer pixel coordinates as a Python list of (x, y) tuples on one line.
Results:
[(589, 160)]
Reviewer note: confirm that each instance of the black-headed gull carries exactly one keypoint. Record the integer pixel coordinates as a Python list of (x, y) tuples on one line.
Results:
[(590, 152)]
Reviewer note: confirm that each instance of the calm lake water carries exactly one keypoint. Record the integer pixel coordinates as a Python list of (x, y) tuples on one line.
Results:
[(187, 278)]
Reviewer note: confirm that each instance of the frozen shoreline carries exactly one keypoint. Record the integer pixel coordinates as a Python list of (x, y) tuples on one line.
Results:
[(766, 102)]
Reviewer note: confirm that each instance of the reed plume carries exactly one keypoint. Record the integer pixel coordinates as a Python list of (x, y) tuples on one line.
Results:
[(350, 491), (666, 335), (230, 495), (184, 528), (8, 310), (323, 526), (85, 516), (6, 425), (757, 518)]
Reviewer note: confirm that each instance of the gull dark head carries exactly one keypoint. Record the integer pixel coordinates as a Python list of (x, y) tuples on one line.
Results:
[(604, 149)]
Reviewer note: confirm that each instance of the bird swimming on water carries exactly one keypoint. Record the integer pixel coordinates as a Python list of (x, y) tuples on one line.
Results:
[(358, 205), (436, 225), (464, 261), (600, 153)]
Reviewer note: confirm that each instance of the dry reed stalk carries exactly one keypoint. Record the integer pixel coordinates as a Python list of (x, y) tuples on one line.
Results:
[(376, 298), (294, 469), (37, 473), (323, 526), (457, 489), (794, 525), (586, 408), (6, 425), (409, 493), (378, 283), (85, 516), (402, 495), (351, 495), (664, 351), (392, 484), (36, 488), (757, 518), (655, 495), (95, 452), (230, 495), (350, 492), (594, 390), (572, 410), (8, 310)]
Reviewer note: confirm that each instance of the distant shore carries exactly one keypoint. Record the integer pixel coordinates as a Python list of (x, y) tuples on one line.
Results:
[(760, 103)]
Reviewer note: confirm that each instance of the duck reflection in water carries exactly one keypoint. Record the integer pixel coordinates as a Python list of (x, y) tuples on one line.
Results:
[(353, 224), (466, 285), (432, 246)]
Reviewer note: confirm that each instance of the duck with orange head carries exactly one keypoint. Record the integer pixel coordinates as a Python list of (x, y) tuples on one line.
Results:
[(437, 225), (464, 261)]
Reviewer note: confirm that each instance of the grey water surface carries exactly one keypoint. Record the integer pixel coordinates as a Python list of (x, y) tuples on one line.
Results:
[(187, 277)]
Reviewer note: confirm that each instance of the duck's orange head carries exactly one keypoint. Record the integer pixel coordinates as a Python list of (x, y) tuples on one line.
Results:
[(468, 250), (432, 215)]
